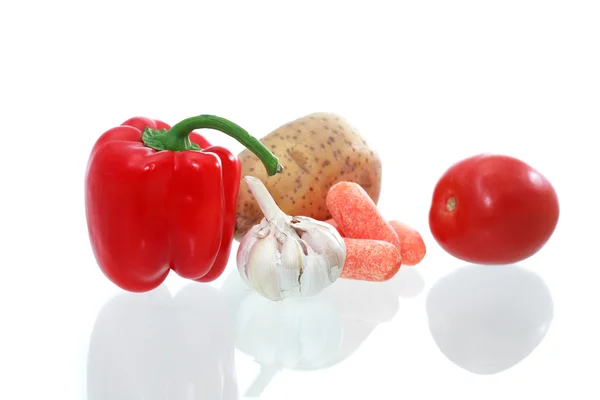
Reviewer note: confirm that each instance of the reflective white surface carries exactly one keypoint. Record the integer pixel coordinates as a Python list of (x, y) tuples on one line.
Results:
[(316, 333), (227, 342), (182, 346), (488, 319), (157, 346), (224, 341)]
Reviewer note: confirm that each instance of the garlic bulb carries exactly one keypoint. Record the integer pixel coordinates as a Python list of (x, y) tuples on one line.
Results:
[(287, 256)]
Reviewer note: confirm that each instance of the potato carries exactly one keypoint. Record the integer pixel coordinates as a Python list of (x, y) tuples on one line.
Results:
[(316, 151)]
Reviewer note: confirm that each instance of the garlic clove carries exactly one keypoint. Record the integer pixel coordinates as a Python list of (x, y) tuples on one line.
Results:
[(323, 239), (243, 254), (263, 263), (291, 264), (314, 276), (324, 242)]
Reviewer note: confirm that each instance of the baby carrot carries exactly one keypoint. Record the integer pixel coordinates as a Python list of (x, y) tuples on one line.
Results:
[(355, 213), (412, 245), (370, 260)]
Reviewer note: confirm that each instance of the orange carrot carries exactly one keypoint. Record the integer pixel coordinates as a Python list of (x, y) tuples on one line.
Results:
[(355, 213), (370, 260), (412, 245)]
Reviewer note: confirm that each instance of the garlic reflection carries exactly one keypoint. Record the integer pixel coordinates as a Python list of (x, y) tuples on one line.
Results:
[(288, 256)]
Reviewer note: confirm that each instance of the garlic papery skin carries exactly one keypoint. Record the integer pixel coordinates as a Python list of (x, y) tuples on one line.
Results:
[(285, 256)]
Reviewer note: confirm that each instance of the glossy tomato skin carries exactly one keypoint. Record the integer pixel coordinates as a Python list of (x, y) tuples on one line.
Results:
[(493, 209)]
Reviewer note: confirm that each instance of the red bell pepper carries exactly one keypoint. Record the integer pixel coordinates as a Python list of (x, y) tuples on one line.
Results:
[(161, 198)]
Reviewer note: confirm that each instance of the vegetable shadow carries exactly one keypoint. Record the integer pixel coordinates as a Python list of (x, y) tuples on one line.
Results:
[(156, 346), (312, 333), (487, 319)]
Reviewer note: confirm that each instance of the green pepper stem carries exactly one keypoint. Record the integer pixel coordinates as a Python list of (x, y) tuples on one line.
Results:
[(178, 138)]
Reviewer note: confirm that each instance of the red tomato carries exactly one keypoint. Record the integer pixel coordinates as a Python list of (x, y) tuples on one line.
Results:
[(493, 209)]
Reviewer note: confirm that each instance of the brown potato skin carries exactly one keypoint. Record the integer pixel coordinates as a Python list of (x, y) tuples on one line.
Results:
[(316, 151)]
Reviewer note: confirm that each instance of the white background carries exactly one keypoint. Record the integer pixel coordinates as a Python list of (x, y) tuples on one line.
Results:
[(426, 82)]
